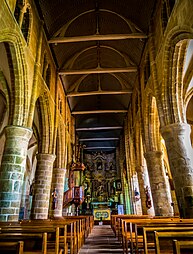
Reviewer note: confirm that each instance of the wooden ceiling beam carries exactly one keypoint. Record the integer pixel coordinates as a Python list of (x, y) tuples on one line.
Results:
[(98, 70), (97, 37), (109, 111), (100, 128), (99, 147), (100, 92), (97, 139)]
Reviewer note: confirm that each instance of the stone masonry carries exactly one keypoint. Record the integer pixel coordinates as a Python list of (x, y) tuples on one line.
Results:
[(12, 171)]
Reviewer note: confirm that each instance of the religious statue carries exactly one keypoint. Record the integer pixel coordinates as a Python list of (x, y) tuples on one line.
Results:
[(54, 199), (31, 188), (137, 196), (148, 199)]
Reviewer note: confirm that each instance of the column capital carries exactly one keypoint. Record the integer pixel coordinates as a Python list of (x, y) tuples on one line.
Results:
[(171, 130), (46, 156), (18, 131)]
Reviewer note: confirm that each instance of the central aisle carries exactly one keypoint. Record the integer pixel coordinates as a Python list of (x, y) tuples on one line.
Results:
[(101, 240)]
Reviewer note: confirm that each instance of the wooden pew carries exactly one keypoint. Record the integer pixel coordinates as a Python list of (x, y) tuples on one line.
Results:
[(129, 234), (168, 237), (82, 227), (180, 246), (17, 247), (49, 233), (27, 238), (130, 230), (72, 235), (116, 222), (148, 233)]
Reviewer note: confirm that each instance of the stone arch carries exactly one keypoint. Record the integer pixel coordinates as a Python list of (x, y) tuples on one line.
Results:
[(151, 123), (4, 88), (19, 99), (154, 158), (172, 87), (3, 121), (188, 87), (45, 124), (60, 147), (189, 114), (46, 70)]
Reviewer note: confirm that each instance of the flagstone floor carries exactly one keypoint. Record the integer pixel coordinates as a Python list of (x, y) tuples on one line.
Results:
[(101, 240)]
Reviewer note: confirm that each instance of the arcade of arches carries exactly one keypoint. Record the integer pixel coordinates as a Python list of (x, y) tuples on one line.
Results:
[(47, 169)]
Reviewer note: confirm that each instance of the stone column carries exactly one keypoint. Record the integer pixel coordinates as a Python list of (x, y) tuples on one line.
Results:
[(136, 199), (180, 155), (42, 186), (58, 179), (143, 180), (160, 193), (12, 171)]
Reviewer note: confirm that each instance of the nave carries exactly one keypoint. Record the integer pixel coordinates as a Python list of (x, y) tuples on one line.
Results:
[(101, 240)]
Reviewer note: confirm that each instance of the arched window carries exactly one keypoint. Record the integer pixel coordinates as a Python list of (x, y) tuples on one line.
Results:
[(48, 76), (22, 15), (167, 7), (147, 70), (19, 6), (46, 71), (25, 24), (45, 64), (60, 105)]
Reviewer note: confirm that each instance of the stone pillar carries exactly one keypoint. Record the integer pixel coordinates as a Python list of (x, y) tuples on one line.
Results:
[(137, 199), (42, 186), (58, 179), (160, 193), (180, 155), (12, 171), (143, 180)]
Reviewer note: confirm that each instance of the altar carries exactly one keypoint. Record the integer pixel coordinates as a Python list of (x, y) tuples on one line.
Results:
[(102, 213)]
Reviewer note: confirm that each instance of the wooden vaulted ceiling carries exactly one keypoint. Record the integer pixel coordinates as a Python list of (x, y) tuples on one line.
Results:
[(97, 46)]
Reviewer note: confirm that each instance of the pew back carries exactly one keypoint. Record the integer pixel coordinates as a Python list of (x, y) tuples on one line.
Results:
[(164, 240)]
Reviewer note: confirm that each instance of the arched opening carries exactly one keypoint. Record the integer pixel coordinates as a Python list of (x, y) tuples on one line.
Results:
[(167, 7), (189, 117), (25, 24), (3, 120), (18, 8), (48, 76), (147, 70)]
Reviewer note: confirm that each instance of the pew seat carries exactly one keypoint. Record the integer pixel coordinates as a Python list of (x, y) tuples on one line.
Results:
[(9, 247), (164, 240), (182, 247), (148, 234)]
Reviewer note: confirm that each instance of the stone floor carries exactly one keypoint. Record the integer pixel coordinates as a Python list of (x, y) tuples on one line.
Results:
[(101, 240)]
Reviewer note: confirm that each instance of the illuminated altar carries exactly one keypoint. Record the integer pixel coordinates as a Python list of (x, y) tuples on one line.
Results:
[(102, 213)]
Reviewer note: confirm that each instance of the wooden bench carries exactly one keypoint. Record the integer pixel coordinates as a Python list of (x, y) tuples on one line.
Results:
[(17, 246), (32, 233), (116, 222), (72, 236), (148, 233), (82, 227), (164, 240), (130, 228), (180, 246), (27, 238)]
